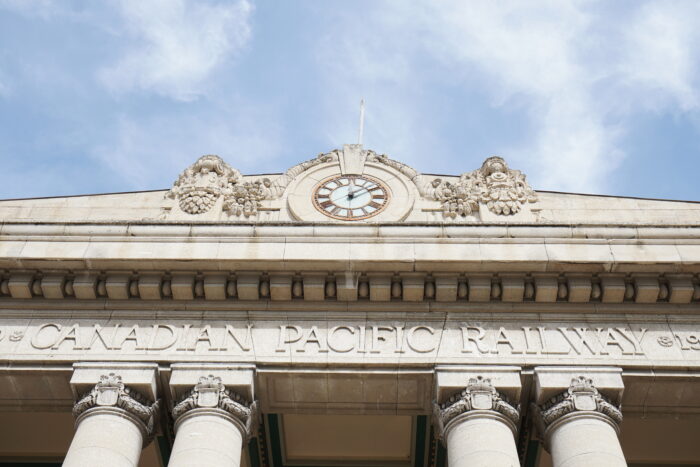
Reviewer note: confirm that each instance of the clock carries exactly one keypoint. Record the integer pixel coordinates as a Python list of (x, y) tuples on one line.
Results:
[(351, 197)]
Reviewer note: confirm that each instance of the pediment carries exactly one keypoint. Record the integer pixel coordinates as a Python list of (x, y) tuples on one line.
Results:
[(212, 190)]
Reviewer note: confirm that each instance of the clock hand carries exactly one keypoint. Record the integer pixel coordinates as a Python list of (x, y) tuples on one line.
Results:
[(342, 195)]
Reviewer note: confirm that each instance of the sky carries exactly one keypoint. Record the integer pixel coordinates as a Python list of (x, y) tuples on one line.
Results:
[(598, 97)]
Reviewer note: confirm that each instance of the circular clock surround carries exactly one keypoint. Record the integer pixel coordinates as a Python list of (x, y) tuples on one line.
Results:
[(351, 197)]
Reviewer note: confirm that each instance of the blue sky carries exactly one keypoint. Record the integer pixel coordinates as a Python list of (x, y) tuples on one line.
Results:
[(582, 96)]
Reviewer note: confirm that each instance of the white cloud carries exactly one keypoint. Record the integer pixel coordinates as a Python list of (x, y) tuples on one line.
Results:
[(4, 85), (662, 53), (533, 53), (149, 153), (579, 69), (177, 46), (40, 8)]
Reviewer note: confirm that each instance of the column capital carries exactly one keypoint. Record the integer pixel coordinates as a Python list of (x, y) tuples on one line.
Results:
[(479, 397), (582, 398), (111, 395), (222, 390)]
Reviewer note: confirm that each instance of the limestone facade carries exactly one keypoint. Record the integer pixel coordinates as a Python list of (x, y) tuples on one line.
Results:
[(296, 319)]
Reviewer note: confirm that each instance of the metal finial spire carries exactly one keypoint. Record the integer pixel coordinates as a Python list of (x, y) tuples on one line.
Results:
[(362, 121)]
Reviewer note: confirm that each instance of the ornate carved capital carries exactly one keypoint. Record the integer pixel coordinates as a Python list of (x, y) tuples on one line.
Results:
[(479, 394), (111, 392), (582, 396), (210, 393)]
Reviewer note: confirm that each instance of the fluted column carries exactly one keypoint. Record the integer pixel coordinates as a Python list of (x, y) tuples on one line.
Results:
[(113, 424), (581, 427), (211, 424), (479, 426)]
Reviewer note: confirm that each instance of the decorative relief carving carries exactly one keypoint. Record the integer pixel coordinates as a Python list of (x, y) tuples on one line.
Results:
[(406, 170), (582, 396), (244, 199), (210, 393), (456, 199), (111, 392), (199, 187), (280, 184), (504, 191), (479, 394)]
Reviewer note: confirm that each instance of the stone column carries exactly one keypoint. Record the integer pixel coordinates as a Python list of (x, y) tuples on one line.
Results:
[(479, 426), (113, 424), (581, 427), (211, 425)]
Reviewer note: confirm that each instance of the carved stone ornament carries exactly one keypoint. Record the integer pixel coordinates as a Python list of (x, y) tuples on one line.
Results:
[(111, 392), (200, 186), (582, 396), (210, 393), (479, 394), (504, 191)]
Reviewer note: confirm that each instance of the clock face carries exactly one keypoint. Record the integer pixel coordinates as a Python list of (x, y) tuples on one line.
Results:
[(351, 197)]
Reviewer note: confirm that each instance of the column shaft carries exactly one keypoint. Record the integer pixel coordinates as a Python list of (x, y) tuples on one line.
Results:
[(206, 438), (107, 438), (211, 425), (584, 440), (478, 425), (581, 427), (480, 439)]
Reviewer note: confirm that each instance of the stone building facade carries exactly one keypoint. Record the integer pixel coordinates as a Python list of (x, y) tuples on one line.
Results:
[(350, 311)]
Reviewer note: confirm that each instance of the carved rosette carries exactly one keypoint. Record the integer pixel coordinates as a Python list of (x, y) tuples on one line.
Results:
[(504, 191), (110, 392), (479, 394), (210, 393), (581, 397)]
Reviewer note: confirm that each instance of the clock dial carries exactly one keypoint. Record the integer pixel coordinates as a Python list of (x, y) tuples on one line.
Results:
[(350, 197)]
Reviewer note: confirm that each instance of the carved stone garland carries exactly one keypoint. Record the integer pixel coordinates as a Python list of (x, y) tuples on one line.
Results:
[(210, 393), (504, 191), (582, 396), (111, 392), (479, 394)]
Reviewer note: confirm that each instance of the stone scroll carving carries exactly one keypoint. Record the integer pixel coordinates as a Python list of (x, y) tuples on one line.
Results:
[(211, 393), (504, 191), (479, 394), (111, 392), (582, 396)]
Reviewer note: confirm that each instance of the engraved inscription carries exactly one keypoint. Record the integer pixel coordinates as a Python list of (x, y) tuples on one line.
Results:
[(541, 340), (362, 340)]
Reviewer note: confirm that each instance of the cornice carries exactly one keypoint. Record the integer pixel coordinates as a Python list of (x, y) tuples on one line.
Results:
[(13, 230)]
